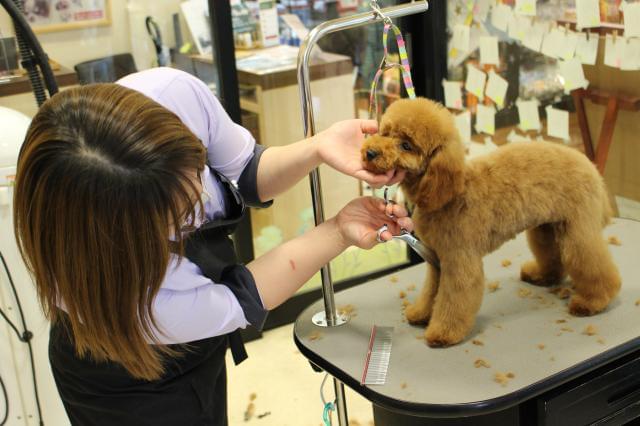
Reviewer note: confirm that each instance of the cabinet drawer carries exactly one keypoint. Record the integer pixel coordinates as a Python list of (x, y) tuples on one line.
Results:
[(605, 396)]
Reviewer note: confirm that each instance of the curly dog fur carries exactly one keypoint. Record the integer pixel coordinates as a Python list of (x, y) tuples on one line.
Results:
[(466, 209)]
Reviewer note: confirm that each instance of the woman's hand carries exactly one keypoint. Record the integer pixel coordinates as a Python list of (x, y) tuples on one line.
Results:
[(358, 222), (339, 147)]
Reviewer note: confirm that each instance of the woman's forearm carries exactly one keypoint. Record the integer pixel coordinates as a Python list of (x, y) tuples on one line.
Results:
[(281, 167), (280, 272)]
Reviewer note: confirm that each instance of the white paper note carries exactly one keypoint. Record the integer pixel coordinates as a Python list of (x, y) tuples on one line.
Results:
[(525, 7), (481, 10), (528, 114), (551, 43), (519, 26), (475, 81), (588, 13), (452, 94), (533, 37), (572, 75), (489, 50), (557, 123), (456, 57), (463, 124), (568, 45), (632, 20), (500, 16), (614, 50), (497, 89), (587, 49), (460, 38), (485, 119), (631, 55)]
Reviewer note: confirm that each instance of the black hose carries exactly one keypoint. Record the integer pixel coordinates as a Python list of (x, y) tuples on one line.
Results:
[(31, 52), (29, 64)]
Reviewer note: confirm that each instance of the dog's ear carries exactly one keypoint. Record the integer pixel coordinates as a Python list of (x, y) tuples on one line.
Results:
[(443, 179)]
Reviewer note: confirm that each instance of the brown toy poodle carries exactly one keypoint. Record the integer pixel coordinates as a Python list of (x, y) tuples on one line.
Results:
[(466, 209)]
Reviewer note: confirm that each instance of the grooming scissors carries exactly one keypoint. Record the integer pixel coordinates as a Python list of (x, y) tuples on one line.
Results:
[(423, 251)]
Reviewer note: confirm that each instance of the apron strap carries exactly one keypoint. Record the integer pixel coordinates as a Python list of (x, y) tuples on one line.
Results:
[(236, 344)]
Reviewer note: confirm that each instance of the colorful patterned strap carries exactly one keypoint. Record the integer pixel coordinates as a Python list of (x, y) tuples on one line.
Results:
[(384, 66)]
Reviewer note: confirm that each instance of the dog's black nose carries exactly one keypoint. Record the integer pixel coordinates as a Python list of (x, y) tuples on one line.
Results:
[(371, 154)]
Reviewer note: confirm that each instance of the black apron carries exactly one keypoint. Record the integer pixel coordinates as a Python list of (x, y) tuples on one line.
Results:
[(193, 389)]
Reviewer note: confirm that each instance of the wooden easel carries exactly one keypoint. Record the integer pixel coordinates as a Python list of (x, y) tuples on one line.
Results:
[(614, 102)]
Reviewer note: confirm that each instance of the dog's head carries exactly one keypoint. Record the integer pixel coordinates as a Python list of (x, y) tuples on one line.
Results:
[(419, 136)]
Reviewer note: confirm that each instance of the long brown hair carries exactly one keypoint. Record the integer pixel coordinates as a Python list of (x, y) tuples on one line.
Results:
[(102, 184)]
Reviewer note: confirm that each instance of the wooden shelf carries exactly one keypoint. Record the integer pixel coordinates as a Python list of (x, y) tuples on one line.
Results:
[(21, 84)]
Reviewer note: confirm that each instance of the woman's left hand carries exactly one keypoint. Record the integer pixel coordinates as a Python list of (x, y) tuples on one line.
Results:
[(359, 221), (339, 146)]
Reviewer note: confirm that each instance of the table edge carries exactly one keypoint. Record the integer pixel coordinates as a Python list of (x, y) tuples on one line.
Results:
[(478, 407)]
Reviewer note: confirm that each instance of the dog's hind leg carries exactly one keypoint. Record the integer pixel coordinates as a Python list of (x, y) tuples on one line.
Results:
[(420, 311), (547, 267), (458, 299), (585, 255)]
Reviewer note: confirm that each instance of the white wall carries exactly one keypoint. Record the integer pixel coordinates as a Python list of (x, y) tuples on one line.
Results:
[(127, 33), (73, 46)]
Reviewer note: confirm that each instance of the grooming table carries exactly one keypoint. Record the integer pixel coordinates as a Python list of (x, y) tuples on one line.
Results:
[(566, 370)]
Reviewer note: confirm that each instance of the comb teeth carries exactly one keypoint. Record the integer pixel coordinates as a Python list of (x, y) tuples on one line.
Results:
[(378, 355)]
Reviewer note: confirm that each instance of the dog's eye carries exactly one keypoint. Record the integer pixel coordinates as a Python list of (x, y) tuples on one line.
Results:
[(406, 146)]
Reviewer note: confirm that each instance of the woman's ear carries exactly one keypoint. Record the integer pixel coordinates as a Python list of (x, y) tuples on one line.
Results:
[(443, 179)]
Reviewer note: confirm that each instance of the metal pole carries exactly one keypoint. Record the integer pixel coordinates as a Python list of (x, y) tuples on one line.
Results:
[(341, 403), (304, 82), (330, 316)]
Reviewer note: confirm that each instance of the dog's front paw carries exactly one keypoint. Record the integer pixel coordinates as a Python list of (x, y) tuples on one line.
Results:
[(438, 337), (417, 315), (531, 273)]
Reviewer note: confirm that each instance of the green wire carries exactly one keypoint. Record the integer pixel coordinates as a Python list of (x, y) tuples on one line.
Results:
[(326, 413)]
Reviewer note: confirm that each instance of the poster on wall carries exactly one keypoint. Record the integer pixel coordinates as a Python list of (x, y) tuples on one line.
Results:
[(60, 15), (196, 14)]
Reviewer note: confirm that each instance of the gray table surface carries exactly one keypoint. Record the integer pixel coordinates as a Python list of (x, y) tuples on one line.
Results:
[(520, 333)]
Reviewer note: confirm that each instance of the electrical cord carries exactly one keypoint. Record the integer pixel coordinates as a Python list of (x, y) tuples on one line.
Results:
[(327, 406), (25, 337), (6, 402)]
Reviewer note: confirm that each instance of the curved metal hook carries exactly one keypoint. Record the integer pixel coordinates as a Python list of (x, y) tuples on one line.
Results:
[(376, 8)]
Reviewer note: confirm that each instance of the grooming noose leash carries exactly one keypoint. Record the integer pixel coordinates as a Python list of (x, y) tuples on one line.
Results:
[(427, 254)]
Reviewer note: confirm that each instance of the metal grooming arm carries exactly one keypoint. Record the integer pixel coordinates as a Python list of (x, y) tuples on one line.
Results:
[(329, 317)]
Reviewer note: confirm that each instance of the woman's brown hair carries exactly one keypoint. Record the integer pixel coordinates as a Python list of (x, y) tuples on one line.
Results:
[(104, 179)]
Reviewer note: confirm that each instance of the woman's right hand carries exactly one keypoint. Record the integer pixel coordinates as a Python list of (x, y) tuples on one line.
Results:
[(358, 222)]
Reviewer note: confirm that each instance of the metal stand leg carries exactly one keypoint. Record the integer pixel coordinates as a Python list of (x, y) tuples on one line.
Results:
[(329, 317), (341, 403)]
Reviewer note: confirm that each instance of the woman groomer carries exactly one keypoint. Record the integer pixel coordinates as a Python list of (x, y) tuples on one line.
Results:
[(125, 195)]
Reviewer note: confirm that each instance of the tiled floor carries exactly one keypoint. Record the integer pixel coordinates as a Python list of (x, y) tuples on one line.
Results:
[(284, 385)]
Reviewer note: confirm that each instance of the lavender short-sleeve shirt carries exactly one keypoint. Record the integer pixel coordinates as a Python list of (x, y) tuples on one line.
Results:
[(189, 306)]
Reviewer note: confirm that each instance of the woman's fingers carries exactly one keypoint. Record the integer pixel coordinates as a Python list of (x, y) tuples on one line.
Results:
[(397, 177), (374, 180), (398, 210), (406, 223), (386, 236), (369, 126), (393, 209)]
